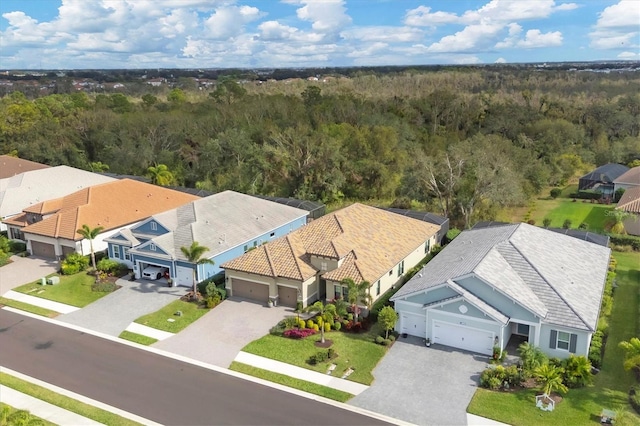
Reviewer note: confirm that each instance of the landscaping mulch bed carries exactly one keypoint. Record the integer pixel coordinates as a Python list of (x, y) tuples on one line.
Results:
[(327, 343)]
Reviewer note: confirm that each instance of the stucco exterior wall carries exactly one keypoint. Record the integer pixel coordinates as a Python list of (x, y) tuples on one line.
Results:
[(582, 343)]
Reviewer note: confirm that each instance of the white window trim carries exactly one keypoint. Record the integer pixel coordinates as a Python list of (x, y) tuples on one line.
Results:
[(116, 252), (558, 340), (154, 226)]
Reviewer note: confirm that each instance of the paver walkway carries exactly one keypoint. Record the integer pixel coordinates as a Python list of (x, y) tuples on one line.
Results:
[(24, 270), (116, 311), (39, 301), (301, 373), (42, 409)]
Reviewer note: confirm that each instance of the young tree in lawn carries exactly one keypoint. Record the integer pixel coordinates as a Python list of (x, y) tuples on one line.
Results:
[(325, 311), (90, 234), (357, 293), (387, 318), (550, 379), (194, 255), (631, 354)]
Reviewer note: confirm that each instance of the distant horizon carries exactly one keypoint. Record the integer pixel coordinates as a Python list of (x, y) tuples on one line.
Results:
[(268, 34)]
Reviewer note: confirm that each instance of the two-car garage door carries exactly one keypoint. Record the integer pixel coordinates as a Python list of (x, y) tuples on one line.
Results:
[(43, 250), (250, 290), (458, 336)]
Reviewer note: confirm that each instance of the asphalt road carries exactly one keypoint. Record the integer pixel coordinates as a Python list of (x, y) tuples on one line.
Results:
[(158, 388)]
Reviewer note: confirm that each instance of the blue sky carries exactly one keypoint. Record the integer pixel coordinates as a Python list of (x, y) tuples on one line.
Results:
[(74, 34)]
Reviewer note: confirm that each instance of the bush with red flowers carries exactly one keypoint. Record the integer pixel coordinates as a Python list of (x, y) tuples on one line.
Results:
[(298, 333)]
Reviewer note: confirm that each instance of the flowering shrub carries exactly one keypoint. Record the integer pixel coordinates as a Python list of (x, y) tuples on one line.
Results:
[(297, 333)]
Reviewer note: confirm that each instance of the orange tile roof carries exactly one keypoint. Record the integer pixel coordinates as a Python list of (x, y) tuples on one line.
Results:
[(369, 241), (110, 205), (630, 200), (11, 166)]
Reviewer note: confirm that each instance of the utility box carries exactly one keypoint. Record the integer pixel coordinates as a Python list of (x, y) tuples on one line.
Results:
[(53, 280), (43, 281)]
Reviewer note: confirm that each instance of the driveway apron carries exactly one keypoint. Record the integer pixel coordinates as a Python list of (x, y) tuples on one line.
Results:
[(424, 386), (23, 270), (218, 336), (115, 311)]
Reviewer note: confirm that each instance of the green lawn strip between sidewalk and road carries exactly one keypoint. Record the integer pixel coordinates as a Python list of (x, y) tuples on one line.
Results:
[(74, 290), (28, 308), (291, 382), (28, 420), (191, 312), (581, 406), (137, 338), (358, 351), (69, 404)]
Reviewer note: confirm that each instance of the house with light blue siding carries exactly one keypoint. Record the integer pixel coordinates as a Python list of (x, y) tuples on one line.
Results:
[(506, 283), (228, 223)]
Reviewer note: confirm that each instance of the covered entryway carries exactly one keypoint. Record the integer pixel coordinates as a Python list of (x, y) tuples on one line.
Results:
[(413, 324), (461, 337), (250, 290), (184, 276), (287, 296), (45, 250)]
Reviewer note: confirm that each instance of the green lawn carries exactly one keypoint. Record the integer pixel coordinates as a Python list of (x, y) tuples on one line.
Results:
[(7, 410), (302, 385), (581, 406), (357, 351), (560, 209), (159, 319), (137, 338), (74, 290), (28, 308), (70, 404)]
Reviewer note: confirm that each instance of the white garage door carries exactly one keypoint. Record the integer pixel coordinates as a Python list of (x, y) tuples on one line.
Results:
[(458, 336), (184, 276), (413, 325)]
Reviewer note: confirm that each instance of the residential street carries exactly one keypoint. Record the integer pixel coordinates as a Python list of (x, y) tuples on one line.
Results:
[(149, 385)]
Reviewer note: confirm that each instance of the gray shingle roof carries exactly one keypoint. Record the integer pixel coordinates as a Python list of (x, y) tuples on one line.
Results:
[(555, 276)]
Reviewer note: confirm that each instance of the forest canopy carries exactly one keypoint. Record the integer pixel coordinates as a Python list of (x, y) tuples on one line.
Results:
[(462, 142)]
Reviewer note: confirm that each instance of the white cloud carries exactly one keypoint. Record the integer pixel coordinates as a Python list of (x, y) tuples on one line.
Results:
[(422, 17), (229, 21), (472, 37), (617, 26), (629, 55), (567, 6), (326, 16), (501, 61), (386, 34), (535, 38)]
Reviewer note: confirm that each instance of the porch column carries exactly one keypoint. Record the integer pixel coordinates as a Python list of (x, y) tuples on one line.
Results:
[(536, 338)]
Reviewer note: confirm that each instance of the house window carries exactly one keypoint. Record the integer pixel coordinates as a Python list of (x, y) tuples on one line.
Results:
[(378, 288), (427, 246), (116, 252), (246, 247), (563, 340), (323, 266), (154, 226), (126, 253), (337, 291), (523, 329), (255, 244), (401, 268), (152, 247)]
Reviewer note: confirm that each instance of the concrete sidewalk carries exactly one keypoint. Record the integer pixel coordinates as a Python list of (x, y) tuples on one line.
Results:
[(39, 408), (134, 327), (301, 373), (40, 302)]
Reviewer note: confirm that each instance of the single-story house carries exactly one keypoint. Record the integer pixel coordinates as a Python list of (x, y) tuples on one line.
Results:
[(11, 166), (440, 221), (49, 228), (359, 242), (494, 284), (629, 179), (25, 189), (228, 223), (602, 178), (630, 203)]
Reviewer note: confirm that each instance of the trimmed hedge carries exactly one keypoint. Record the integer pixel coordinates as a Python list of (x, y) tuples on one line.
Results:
[(625, 240), (587, 194)]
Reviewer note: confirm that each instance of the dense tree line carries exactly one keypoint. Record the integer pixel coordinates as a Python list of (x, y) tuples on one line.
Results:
[(463, 142)]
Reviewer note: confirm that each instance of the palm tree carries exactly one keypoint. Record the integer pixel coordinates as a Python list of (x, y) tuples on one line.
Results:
[(325, 311), (357, 293), (577, 371), (160, 175), (532, 357), (632, 353), (90, 234), (619, 217), (194, 255), (550, 379)]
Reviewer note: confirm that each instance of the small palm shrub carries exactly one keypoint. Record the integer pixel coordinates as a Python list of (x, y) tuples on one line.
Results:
[(111, 266), (74, 263), (532, 357), (550, 379), (576, 371)]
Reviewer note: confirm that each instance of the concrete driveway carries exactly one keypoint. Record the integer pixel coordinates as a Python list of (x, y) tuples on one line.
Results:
[(219, 335), (424, 386), (114, 312), (24, 270)]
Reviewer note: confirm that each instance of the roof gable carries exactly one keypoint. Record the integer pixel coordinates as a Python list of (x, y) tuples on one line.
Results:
[(11, 166), (630, 177), (630, 200)]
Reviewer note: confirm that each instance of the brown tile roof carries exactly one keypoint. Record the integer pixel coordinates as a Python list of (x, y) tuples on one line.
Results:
[(630, 200), (11, 166), (110, 205), (631, 177), (369, 241)]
